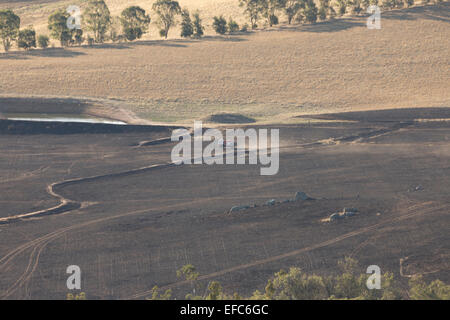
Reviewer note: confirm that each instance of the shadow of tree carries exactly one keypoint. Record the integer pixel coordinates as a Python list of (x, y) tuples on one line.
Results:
[(404, 114), (184, 42), (49, 52), (117, 45), (436, 12), (227, 38), (333, 25), (67, 53), (176, 43), (13, 56)]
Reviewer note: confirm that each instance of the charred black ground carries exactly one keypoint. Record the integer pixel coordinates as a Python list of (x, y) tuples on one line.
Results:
[(133, 231)]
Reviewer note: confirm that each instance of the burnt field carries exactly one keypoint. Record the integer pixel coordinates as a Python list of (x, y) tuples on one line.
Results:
[(130, 221)]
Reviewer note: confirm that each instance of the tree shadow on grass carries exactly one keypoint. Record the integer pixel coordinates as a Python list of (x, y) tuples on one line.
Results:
[(225, 38), (49, 52), (131, 44), (176, 43), (181, 43), (437, 12), (333, 25), (67, 53), (116, 45), (13, 56)]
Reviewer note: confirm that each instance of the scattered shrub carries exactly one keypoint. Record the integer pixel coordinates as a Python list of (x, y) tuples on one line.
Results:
[(197, 25), (90, 41), (295, 284), (27, 39), (273, 20), (187, 27), (78, 37), (220, 25), (310, 11), (232, 26), (43, 41)]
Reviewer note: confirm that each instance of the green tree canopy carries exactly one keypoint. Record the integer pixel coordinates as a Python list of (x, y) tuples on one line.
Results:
[(233, 26), (9, 28), (135, 22), (220, 25), (187, 27), (253, 9), (292, 8), (27, 39), (310, 11), (167, 11), (269, 8), (57, 24), (96, 18), (198, 26)]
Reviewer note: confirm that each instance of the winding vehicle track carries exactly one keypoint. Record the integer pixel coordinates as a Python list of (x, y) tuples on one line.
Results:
[(413, 211), (66, 205), (39, 244)]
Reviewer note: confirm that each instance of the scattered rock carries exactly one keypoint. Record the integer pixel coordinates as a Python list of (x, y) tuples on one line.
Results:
[(335, 216), (416, 188), (238, 208), (348, 212), (301, 196)]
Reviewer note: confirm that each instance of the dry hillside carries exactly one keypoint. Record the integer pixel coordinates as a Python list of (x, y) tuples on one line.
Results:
[(270, 75)]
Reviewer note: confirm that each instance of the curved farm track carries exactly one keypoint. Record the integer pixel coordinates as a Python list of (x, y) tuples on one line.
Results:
[(142, 224)]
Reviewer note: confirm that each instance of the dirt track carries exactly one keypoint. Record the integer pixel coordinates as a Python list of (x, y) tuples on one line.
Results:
[(135, 230)]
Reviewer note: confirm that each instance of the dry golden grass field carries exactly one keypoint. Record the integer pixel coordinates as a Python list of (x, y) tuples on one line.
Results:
[(270, 75), (363, 119)]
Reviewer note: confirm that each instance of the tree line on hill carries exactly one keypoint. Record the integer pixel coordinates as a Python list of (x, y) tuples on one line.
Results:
[(134, 22), (310, 11), (99, 25)]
